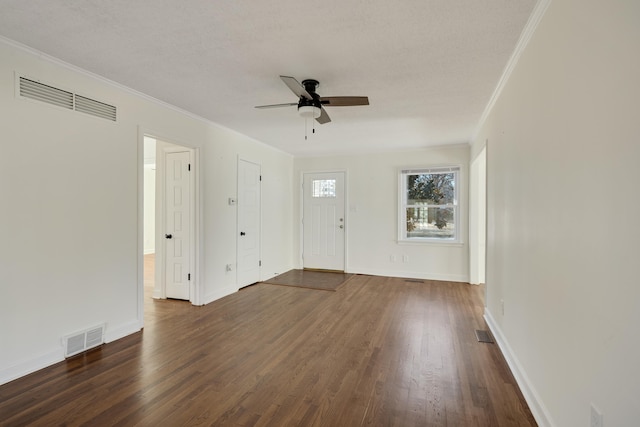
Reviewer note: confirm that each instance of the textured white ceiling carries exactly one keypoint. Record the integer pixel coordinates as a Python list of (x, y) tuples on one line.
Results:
[(429, 67)]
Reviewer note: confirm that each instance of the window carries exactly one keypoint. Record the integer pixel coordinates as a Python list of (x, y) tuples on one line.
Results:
[(323, 188), (429, 204)]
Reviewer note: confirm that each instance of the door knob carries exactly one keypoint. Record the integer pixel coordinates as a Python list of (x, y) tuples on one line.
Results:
[(242, 233), (168, 236)]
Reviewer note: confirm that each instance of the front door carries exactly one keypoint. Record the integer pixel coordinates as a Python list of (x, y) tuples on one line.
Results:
[(177, 225), (248, 223), (323, 221)]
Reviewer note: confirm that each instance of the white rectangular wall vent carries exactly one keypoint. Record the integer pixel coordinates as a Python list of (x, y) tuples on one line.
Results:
[(75, 344), (84, 340), (61, 98)]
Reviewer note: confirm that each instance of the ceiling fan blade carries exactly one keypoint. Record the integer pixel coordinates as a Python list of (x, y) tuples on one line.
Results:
[(344, 101), (296, 87), (288, 104), (324, 117)]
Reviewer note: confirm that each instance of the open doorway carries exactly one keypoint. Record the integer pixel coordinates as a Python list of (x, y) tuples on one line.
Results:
[(169, 221), (478, 221), (149, 218)]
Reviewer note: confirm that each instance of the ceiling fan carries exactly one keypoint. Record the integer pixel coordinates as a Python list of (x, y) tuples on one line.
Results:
[(311, 104)]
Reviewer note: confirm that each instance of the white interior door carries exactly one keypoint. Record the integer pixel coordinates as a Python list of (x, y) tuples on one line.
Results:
[(323, 221), (249, 212), (177, 225)]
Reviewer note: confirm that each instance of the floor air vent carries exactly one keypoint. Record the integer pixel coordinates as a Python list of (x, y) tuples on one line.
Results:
[(484, 336), (61, 98), (82, 341)]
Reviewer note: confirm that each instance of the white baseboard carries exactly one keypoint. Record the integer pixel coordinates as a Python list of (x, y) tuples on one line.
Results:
[(219, 293), (271, 276), (57, 355), (411, 275), (25, 368), (536, 405), (122, 331)]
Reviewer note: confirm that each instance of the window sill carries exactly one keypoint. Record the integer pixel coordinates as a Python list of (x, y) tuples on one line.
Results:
[(429, 242)]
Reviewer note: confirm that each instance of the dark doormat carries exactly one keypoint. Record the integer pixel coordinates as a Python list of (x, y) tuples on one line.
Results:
[(311, 279)]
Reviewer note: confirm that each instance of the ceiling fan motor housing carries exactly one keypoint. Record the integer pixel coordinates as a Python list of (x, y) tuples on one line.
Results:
[(310, 86)]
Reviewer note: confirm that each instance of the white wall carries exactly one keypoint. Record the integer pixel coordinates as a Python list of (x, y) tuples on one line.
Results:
[(70, 186), (372, 214), (563, 210)]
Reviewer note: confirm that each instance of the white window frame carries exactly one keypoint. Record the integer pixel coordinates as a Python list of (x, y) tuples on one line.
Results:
[(403, 205)]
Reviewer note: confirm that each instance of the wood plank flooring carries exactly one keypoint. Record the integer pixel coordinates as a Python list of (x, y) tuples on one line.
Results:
[(378, 351)]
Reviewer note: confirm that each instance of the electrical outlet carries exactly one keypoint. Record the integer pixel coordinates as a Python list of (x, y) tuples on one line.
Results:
[(405, 258), (596, 417), (392, 258)]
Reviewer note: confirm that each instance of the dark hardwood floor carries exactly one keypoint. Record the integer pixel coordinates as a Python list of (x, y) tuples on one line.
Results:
[(378, 351)]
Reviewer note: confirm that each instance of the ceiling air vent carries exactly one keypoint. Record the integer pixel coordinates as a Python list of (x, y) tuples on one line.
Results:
[(49, 94), (61, 98), (95, 108)]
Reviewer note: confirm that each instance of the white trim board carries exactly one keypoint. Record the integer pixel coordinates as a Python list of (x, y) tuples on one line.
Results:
[(32, 365), (219, 293), (532, 24), (539, 411), (122, 331), (57, 355), (406, 274)]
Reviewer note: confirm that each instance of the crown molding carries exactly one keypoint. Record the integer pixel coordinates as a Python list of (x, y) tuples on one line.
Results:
[(528, 31)]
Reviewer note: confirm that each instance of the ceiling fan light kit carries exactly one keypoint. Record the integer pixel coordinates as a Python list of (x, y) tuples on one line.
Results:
[(309, 111)]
